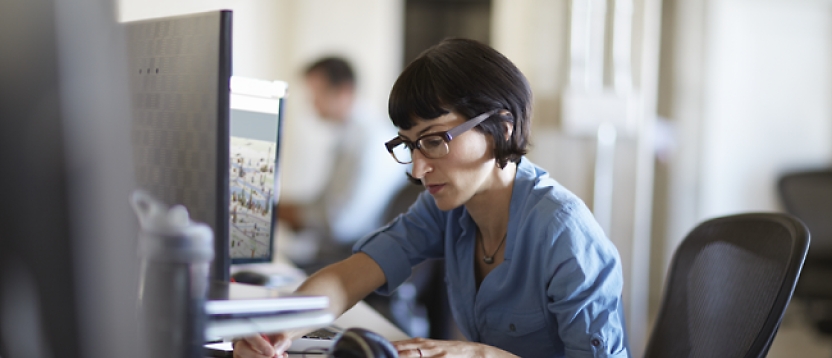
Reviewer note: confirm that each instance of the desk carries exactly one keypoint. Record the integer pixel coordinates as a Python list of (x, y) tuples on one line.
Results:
[(285, 277), (363, 316)]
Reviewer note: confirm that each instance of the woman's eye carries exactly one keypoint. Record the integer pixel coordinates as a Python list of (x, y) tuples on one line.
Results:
[(432, 142)]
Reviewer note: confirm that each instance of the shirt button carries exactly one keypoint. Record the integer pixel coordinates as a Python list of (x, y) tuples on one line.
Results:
[(511, 327), (595, 342)]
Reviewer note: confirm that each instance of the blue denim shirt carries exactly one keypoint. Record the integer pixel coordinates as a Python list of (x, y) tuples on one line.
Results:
[(558, 292)]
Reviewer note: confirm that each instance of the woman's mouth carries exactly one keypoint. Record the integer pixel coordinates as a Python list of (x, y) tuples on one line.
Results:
[(435, 188)]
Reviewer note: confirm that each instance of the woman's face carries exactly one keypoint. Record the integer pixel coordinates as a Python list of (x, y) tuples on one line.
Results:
[(464, 172)]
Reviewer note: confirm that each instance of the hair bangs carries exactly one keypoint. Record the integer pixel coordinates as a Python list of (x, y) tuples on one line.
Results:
[(415, 95)]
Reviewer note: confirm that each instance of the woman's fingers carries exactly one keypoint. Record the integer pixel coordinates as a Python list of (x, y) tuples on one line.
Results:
[(423, 348), (411, 348), (410, 343), (280, 342), (414, 352), (258, 345)]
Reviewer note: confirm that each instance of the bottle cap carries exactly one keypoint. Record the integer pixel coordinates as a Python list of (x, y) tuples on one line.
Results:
[(168, 233), (155, 216)]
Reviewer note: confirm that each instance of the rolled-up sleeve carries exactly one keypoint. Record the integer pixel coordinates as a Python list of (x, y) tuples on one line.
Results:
[(405, 242), (585, 287)]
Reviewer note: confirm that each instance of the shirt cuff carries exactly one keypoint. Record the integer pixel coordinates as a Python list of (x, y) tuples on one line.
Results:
[(390, 256), (596, 354)]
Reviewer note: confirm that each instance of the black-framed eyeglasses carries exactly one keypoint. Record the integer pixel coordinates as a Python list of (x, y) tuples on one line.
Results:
[(434, 145)]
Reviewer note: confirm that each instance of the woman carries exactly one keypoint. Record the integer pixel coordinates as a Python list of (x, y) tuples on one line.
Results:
[(529, 271)]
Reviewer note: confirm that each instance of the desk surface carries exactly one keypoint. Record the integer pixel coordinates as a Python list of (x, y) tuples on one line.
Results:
[(364, 316), (287, 277)]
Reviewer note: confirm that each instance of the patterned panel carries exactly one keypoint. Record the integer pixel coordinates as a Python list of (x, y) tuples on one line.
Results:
[(175, 80)]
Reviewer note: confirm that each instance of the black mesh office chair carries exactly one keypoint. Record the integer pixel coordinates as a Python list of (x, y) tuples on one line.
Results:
[(728, 286)]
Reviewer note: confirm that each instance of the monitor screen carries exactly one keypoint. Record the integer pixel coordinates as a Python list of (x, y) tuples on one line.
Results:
[(254, 148)]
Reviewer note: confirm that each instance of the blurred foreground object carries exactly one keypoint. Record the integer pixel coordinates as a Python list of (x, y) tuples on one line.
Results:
[(68, 266), (175, 259)]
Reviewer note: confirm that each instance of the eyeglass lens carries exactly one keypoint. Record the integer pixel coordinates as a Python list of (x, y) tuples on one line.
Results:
[(431, 146)]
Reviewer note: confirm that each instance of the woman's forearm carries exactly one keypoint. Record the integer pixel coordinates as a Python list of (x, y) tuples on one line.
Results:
[(345, 282)]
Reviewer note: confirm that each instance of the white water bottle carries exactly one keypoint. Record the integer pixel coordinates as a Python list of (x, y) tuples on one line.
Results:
[(175, 255)]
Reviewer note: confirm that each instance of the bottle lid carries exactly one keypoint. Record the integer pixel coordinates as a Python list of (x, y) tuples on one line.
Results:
[(155, 216), (168, 234)]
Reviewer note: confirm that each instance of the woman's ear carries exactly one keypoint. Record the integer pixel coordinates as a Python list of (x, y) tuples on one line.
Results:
[(508, 129), (508, 126)]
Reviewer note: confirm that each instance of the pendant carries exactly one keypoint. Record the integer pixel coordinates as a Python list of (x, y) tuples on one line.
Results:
[(488, 260)]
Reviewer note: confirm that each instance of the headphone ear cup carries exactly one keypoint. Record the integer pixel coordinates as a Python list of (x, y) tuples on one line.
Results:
[(361, 343)]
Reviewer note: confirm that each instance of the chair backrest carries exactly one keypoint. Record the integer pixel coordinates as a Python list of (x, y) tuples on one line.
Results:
[(808, 196), (728, 286)]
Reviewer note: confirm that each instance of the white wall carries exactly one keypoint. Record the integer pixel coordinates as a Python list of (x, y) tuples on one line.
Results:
[(768, 99)]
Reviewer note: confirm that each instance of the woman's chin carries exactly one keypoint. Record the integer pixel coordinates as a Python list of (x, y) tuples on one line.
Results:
[(446, 203)]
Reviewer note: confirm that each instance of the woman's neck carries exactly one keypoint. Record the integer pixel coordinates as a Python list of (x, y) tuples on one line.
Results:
[(489, 208)]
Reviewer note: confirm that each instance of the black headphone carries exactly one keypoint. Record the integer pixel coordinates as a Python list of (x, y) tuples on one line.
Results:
[(361, 343)]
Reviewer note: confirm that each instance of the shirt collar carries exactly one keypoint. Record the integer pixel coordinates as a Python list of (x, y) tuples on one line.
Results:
[(523, 180)]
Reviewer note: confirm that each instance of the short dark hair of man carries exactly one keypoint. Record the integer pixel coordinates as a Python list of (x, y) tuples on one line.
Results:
[(470, 78), (336, 70)]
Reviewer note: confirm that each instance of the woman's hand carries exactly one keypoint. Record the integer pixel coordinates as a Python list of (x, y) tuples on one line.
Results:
[(264, 346), (420, 347)]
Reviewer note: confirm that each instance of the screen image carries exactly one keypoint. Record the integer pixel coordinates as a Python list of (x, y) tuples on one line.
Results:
[(253, 173), (251, 184)]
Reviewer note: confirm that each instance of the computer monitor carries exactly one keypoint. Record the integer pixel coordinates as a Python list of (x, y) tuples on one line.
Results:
[(256, 118), (180, 73)]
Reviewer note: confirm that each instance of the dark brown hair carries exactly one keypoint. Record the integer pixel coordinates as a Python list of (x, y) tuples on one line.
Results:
[(470, 78)]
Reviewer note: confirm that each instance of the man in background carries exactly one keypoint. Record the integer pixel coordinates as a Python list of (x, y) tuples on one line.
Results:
[(364, 178)]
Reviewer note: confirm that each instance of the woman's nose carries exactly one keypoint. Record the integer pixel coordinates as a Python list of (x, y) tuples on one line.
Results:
[(421, 165)]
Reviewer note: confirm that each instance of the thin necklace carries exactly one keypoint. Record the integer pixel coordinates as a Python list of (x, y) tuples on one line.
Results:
[(489, 259)]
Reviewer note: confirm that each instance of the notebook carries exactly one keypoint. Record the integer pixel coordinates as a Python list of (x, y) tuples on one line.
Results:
[(237, 299), (238, 310)]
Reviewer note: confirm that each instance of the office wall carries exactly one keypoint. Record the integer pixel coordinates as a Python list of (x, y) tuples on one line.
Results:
[(768, 99)]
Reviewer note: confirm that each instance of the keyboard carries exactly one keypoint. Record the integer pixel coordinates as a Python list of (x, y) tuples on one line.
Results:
[(318, 341), (315, 342)]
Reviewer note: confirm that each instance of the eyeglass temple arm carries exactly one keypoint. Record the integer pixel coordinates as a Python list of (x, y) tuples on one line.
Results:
[(469, 124)]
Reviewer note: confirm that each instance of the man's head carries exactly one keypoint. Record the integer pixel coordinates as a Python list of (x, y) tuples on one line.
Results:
[(331, 83)]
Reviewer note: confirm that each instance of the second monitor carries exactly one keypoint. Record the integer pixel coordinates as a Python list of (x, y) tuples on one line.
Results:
[(255, 121)]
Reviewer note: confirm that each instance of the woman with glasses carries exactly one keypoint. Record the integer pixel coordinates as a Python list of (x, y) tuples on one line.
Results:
[(529, 271)]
